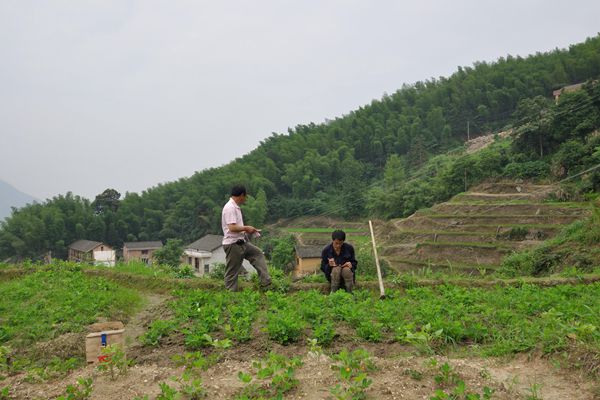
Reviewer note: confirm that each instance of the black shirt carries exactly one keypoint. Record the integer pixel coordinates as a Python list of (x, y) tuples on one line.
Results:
[(346, 254)]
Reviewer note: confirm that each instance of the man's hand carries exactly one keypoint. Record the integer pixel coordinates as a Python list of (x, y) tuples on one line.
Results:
[(347, 264), (332, 262)]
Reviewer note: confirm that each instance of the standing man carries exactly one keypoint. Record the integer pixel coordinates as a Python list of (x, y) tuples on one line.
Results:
[(338, 262), (236, 244)]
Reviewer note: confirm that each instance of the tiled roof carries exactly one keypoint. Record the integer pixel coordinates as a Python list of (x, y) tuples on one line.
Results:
[(143, 245), (84, 245), (309, 251), (207, 243)]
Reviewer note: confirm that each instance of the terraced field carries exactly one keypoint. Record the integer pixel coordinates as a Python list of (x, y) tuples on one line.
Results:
[(475, 230)]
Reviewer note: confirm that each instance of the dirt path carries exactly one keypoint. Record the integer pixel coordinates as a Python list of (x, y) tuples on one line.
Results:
[(155, 305)]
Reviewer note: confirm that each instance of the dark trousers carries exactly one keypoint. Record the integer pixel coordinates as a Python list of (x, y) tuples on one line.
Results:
[(235, 255), (339, 273)]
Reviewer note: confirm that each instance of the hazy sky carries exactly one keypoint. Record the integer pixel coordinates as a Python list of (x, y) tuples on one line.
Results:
[(128, 94)]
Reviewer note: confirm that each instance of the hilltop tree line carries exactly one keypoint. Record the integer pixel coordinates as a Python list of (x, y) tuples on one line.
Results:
[(387, 158)]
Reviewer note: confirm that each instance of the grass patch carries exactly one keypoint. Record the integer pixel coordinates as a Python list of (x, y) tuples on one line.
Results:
[(464, 244), (58, 299), (498, 216), (557, 204), (139, 268), (442, 232), (439, 270), (576, 245)]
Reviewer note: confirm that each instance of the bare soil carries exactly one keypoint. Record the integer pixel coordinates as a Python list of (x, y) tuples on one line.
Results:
[(399, 375)]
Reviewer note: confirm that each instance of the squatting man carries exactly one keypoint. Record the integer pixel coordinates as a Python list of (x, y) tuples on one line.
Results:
[(338, 262)]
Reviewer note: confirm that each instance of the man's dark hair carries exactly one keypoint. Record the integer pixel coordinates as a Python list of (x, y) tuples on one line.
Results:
[(238, 190), (338, 234)]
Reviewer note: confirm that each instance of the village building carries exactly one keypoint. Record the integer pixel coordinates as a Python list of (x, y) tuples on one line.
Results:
[(203, 254), (90, 251), (142, 251), (308, 260)]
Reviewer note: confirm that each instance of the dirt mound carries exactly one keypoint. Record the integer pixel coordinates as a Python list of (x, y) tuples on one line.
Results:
[(481, 142), (317, 221)]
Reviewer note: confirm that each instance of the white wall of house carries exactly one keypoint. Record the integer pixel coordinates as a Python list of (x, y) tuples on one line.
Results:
[(207, 260), (106, 258)]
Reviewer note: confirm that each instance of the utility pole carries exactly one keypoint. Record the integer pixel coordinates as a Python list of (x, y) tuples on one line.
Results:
[(468, 130)]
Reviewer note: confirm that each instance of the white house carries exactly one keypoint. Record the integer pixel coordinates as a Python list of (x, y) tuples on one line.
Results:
[(205, 252), (90, 251)]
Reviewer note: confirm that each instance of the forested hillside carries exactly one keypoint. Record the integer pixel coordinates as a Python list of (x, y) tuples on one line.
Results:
[(388, 158)]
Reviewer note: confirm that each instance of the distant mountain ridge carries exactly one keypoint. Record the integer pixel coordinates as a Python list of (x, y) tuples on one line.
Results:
[(11, 197)]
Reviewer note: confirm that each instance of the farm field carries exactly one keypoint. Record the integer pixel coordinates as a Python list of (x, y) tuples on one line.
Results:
[(475, 231), (188, 338)]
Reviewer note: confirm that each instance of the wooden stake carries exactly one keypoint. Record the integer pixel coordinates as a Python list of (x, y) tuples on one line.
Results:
[(381, 289)]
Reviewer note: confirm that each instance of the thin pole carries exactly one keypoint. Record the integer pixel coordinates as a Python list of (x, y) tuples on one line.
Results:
[(381, 289), (468, 130)]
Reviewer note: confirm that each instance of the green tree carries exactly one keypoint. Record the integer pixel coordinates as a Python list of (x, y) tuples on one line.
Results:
[(107, 200), (283, 252), (394, 175), (255, 209), (170, 254)]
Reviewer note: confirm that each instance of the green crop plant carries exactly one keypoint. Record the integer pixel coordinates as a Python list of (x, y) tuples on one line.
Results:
[(270, 378), (353, 368), (284, 326), (425, 340), (370, 331), (324, 332), (196, 338), (53, 369), (242, 312), (113, 361), (457, 390), (5, 393), (280, 281), (80, 391), (460, 393), (314, 347), (157, 330), (195, 361), (190, 388), (446, 376), (167, 392), (534, 392)]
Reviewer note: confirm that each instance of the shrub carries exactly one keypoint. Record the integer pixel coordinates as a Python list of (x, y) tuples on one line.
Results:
[(218, 271), (283, 252), (528, 169), (516, 233), (170, 253)]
